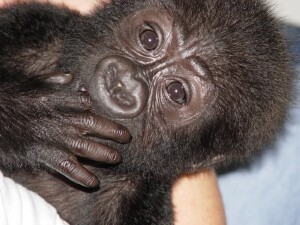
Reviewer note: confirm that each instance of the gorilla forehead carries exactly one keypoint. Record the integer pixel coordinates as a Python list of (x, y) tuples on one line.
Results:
[(193, 12)]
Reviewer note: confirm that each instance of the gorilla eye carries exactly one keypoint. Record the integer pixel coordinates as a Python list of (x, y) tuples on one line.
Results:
[(176, 92), (149, 39)]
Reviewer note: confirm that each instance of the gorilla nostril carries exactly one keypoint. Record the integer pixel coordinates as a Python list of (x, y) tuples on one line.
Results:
[(111, 77), (121, 97), (116, 88)]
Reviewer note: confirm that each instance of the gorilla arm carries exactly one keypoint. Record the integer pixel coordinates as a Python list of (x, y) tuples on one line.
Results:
[(42, 126)]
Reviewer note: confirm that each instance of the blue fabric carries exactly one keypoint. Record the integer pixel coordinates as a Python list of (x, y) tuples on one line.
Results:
[(268, 191)]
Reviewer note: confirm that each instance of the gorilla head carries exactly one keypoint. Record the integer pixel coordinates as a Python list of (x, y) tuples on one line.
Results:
[(196, 84)]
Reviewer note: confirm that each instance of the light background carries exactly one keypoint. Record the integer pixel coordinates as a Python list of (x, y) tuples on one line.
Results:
[(289, 10)]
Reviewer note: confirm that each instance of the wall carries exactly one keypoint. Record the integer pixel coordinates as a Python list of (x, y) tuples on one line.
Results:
[(289, 10)]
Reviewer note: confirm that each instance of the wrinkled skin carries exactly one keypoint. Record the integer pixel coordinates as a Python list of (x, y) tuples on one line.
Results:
[(197, 83)]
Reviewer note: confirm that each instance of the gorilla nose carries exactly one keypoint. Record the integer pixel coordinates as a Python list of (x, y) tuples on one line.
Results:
[(117, 89)]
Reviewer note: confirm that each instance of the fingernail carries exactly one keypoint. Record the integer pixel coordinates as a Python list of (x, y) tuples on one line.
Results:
[(60, 79)]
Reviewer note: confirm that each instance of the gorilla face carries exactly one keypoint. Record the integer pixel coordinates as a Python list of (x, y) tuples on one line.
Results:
[(194, 83)]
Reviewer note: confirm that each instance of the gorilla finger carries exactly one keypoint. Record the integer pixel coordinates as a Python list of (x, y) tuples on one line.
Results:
[(81, 102), (102, 127), (92, 150), (74, 103), (74, 171), (57, 77)]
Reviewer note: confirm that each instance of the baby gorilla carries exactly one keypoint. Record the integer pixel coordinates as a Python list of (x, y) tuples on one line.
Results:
[(197, 83)]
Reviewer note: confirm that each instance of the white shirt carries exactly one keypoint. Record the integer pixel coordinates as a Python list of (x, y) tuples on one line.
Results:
[(20, 206)]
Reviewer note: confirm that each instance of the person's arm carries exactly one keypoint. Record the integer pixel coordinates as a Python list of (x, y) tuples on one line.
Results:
[(84, 6), (197, 200)]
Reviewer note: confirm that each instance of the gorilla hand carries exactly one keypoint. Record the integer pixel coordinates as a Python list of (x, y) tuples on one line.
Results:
[(55, 128)]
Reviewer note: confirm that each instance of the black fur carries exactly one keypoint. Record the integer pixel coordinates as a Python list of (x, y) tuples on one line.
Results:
[(241, 47), (43, 123), (30, 45)]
